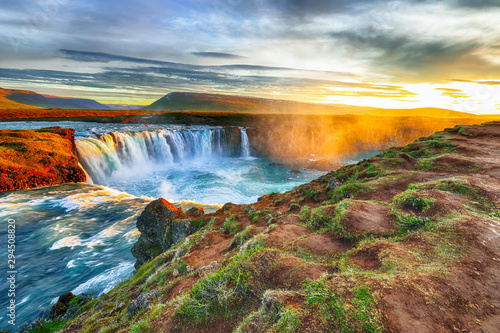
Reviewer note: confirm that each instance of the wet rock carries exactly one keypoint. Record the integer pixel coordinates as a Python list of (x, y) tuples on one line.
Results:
[(332, 183), (62, 304), (264, 197), (67, 305), (141, 302), (159, 229), (233, 140), (295, 171)]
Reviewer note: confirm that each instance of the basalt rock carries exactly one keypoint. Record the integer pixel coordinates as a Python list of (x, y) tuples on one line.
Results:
[(233, 140), (160, 229)]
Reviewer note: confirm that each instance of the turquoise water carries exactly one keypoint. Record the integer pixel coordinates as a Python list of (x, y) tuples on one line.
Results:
[(77, 237)]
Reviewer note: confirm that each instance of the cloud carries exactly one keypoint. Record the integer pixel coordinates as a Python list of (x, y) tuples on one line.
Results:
[(158, 81), (480, 4), (455, 93), (220, 55), (410, 58)]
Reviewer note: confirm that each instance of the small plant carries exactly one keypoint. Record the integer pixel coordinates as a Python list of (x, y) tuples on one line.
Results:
[(255, 214), (318, 219), (294, 207), (231, 225), (244, 235), (313, 194), (305, 213), (417, 203), (49, 327)]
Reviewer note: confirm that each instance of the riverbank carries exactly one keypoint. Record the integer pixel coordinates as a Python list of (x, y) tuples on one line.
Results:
[(35, 158), (406, 241)]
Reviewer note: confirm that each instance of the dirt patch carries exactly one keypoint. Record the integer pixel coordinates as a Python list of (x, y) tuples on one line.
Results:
[(288, 219), (215, 246), (365, 216), (323, 244), (181, 287), (291, 272), (283, 234), (368, 258)]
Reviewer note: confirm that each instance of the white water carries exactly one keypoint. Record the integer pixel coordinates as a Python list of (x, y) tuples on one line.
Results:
[(245, 143), (119, 154), (184, 164)]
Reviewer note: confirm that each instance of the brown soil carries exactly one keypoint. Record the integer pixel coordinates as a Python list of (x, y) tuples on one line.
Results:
[(365, 216), (217, 246), (181, 287), (283, 234), (323, 244)]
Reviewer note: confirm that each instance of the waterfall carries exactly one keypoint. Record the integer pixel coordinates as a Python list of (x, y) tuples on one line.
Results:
[(106, 155), (245, 144)]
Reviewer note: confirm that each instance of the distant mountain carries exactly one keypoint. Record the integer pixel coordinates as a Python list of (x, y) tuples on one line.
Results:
[(11, 98), (124, 106), (183, 101)]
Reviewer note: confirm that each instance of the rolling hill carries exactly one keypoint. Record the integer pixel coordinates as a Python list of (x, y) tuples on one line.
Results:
[(25, 99)]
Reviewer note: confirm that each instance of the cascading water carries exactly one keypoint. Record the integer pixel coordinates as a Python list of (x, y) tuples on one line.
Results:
[(245, 143), (116, 153)]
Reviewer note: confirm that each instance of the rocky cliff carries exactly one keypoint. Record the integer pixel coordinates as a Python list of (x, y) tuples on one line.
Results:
[(407, 241), (34, 158)]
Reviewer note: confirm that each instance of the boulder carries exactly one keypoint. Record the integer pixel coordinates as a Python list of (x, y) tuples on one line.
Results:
[(195, 211), (160, 229)]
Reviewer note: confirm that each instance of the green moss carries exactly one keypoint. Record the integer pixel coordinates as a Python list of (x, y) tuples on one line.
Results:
[(294, 207), (409, 200), (318, 219), (390, 153), (313, 194)]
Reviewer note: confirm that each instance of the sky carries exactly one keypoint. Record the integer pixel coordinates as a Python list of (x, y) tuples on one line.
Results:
[(391, 54)]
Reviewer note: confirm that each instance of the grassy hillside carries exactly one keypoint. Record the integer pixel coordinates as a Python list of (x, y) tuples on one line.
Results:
[(403, 242)]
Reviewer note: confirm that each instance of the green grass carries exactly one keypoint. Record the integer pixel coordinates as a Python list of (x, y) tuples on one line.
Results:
[(349, 308), (347, 190), (227, 291), (50, 327)]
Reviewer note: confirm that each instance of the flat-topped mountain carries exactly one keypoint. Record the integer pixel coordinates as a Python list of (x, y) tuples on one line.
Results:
[(179, 101)]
